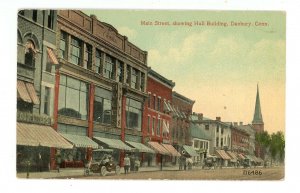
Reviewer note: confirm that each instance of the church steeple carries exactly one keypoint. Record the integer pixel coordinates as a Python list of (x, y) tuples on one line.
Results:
[(257, 118)]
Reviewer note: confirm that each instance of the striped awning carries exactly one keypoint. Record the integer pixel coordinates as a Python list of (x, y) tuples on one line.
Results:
[(26, 92), (165, 127), (232, 155), (190, 150), (241, 156), (80, 141), (40, 135), (222, 154), (171, 149), (158, 148), (114, 143), (140, 147), (32, 93), (52, 56)]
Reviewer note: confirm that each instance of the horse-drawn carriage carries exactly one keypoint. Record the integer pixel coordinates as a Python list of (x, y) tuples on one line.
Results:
[(102, 162), (209, 162)]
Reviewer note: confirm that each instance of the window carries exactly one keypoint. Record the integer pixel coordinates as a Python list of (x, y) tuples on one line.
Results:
[(154, 102), (50, 19), (148, 124), (217, 142), (34, 15), (73, 98), (63, 45), (153, 125), (158, 127), (149, 100), (133, 114), (158, 103), (88, 57), (120, 70), (217, 128), (47, 100), (134, 75), (128, 75), (221, 142), (142, 82), (98, 61), (108, 67), (102, 106), (222, 130), (30, 54), (207, 127), (75, 51)]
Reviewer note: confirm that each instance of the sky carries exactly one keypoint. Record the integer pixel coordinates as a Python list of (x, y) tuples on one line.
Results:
[(218, 66)]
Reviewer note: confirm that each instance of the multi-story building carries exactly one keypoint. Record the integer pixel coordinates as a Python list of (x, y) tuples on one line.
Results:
[(251, 132), (240, 139), (36, 62), (157, 116), (100, 85)]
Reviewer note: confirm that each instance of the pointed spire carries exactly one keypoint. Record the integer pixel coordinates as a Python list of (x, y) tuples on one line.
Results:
[(257, 118)]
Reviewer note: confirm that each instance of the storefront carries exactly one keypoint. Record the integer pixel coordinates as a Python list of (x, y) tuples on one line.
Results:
[(33, 146)]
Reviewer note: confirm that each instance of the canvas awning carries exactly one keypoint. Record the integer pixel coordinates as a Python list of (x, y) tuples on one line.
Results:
[(140, 147), (52, 56), (222, 154), (241, 156), (40, 135), (158, 148), (166, 106), (232, 155), (80, 141), (171, 149), (165, 127), (114, 143), (27, 92), (190, 150)]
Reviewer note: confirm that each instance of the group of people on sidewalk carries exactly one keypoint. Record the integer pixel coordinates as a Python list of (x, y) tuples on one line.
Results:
[(132, 162)]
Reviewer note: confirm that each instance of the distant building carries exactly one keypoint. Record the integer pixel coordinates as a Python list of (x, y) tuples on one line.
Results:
[(240, 139)]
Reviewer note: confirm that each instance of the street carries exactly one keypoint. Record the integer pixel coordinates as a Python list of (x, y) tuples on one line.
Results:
[(274, 173)]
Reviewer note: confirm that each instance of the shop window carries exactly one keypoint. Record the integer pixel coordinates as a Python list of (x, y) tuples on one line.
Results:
[(76, 50), (133, 114), (47, 100), (63, 45), (108, 67), (102, 106), (73, 98)]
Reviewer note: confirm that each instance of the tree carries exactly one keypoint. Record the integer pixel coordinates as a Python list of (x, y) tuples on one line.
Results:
[(277, 145)]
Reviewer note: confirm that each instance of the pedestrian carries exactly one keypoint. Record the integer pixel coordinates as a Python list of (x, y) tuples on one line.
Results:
[(126, 164), (132, 160), (184, 163), (40, 162), (137, 164), (180, 163), (58, 160)]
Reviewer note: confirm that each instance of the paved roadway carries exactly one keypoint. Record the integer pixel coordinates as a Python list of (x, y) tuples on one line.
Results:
[(275, 173)]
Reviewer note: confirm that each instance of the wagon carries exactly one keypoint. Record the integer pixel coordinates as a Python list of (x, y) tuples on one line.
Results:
[(102, 162), (209, 163)]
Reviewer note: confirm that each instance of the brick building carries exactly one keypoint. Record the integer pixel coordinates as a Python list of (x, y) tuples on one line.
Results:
[(100, 85), (157, 116), (36, 61), (240, 140)]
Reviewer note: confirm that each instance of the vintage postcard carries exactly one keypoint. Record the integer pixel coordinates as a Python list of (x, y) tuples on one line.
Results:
[(150, 94)]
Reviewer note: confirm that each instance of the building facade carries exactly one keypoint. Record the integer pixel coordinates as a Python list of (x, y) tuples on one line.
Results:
[(101, 83), (240, 140), (36, 63)]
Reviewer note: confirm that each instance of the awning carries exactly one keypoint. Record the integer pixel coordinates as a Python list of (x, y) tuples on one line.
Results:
[(80, 141), (222, 154), (232, 155), (158, 148), (32, 93), (114, 143), (171, 149), (52, 56), (241, 156), (166, 106), (40, 135), (259, 160), (190, 150), (165, 127), (22, 91), (249, 157), (140, 147)]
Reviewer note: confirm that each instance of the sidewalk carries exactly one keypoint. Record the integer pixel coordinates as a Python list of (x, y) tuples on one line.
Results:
[(75, 172)]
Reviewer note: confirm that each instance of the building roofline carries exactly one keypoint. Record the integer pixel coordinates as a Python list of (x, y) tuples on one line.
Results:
[(179, 96), (160, 78)]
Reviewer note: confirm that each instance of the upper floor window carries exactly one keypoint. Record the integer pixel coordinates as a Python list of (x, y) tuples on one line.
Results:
[(63, 45), (148, 124), (88, 57), (30, 54), (134, 75), (50, 19), (108, 67), (128, 75), (158, 104), (34, 15), (47, 100), (149, 100), (133, 114), (102, 105), (158, 127), (218, 127), (142, 82), (154, 102), (76, 50), (120, 70), (222, 130), (98, 61)]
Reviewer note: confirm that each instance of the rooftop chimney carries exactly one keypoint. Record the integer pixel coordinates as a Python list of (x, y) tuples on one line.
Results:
[(200, 116), (218, 118), (235, 124), (241, 123)]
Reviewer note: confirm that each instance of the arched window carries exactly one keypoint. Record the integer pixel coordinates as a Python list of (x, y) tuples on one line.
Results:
[(30, 54)]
